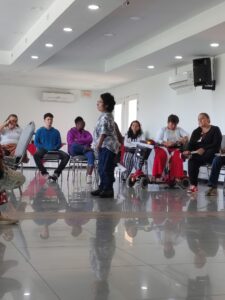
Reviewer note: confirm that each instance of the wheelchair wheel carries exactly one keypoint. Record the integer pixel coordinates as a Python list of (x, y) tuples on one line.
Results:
[(143, 182), (130, 181)]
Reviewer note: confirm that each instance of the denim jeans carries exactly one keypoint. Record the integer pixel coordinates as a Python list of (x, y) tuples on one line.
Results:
[(77, 149), (217, 164), (106, 167)]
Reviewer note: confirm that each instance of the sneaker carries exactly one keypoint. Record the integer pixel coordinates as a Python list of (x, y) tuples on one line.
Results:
[(96, 192), (54, 177), (192, 189), (45, 175), (107, 194), (89, 179), (4, 220), (211, 192)]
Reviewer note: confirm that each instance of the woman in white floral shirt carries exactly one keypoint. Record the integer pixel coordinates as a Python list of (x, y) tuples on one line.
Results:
[(106, 144)]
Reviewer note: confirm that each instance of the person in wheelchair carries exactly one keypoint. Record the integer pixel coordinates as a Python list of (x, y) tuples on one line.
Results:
[(166, 153), (133, 135)]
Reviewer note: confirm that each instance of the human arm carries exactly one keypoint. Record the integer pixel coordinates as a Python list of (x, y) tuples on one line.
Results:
[(3, 125), (58, 141), (100, 142), (37, 140)]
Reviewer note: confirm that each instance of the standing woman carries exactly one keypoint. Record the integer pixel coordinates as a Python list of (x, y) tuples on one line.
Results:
[(106, 144), (205, 142), (9, 135), (133, 135)]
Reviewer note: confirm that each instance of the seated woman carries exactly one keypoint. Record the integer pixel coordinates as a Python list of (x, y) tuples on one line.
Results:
[(9, 180), (133, 135), (169, 137), (9, 134), (79, 143), (204, 143)]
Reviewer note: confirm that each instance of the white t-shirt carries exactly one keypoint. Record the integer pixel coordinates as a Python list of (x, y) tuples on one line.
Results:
[(167, 135), (10, 136), (132, 143)]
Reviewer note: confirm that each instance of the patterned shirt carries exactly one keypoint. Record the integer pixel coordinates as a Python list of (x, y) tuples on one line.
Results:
[(105, 125)]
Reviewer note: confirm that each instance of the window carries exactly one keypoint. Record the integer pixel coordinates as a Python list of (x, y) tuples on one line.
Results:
[(132, 111), (118, 115)]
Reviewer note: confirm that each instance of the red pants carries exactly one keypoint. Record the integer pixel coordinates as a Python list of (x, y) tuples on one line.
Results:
[(175, 163)]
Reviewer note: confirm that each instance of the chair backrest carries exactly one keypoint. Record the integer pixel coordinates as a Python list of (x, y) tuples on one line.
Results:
[(223, 142), (24, 140)]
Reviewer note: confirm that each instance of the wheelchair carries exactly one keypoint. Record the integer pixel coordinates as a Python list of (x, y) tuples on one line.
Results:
[(142, 153)]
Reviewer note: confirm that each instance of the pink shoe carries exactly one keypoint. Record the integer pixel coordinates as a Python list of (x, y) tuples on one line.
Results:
[(192, 189)]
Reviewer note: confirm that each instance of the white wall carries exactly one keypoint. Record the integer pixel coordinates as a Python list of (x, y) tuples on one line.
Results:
[(25, 102), (157, 101)]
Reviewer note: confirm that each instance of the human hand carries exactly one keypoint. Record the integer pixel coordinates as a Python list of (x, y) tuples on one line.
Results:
[(222, 151), (200, 151), (168, 144), (187, 153)]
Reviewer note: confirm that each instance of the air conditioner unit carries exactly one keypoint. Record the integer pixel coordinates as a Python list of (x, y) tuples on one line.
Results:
[(181, 80), (58, 97)]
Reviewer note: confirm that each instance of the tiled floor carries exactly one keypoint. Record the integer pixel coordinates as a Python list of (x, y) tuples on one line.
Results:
[(155, 244)]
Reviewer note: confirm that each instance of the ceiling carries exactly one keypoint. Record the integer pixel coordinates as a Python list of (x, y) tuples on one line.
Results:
[(108, 47)]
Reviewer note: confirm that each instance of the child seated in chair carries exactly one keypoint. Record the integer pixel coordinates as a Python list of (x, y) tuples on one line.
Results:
[(47, 139), (79, 143)]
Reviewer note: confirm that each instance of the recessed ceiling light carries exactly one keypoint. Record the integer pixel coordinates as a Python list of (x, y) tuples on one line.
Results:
[(67, 29), (26, 294), (34, 57), (178, 57), (109, 34), (151, 67), (93, 7), (144, 288), (134, 18), (49, 45), (214, 45)]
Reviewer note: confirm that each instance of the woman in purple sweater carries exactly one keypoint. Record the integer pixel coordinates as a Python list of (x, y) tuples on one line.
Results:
[(79, 143)]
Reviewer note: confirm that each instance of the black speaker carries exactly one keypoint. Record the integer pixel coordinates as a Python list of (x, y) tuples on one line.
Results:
[(202, 71)]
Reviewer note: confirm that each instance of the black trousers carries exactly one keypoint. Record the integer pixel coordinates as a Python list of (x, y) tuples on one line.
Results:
[(38, 156), (194, 164)]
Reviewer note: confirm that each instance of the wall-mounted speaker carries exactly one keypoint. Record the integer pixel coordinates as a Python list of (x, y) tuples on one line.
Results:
[(202, 71)]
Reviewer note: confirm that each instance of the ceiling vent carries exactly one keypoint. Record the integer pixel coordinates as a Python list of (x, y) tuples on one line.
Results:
[(58, 97), (181, 80)]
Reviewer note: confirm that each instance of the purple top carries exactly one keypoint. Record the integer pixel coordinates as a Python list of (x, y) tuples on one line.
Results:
[(83, 138)]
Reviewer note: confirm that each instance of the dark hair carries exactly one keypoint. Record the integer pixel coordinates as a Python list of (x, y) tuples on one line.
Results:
[(78, 119), (205, 115), (130, 133), (109, 101), (14, 116), (48, 115), (173, 119)]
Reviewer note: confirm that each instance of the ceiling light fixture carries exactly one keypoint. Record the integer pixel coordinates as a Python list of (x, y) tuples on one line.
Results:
[(26, 294), (34, 57), (134, 18), (214, 45), (109, 34), (151, 67), (49, 45), (178, 57), (67, 29), (93, 7)]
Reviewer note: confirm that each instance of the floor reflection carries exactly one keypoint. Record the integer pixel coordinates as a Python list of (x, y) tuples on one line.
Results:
[(144, 244)]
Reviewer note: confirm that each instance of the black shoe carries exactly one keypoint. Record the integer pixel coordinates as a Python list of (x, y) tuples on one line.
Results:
[(96, 192), (54, 177), (107, 194)]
